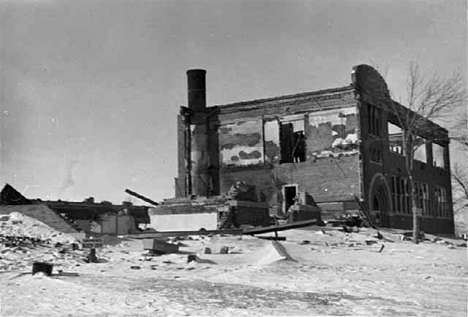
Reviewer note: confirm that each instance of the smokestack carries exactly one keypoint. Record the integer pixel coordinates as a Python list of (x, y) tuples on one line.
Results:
[(196, 84)]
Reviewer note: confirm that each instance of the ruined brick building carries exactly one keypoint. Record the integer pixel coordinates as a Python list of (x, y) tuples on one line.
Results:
[(335, 144)]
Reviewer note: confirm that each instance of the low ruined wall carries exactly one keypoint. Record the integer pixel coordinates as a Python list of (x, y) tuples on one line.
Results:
[(118, 224), (251, 213), (84, 224), (184, 222)]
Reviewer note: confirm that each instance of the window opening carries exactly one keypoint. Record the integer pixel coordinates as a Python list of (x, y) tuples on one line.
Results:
[(441, 202), (374, 120), (395, 138), (438, 155), (419, 145)]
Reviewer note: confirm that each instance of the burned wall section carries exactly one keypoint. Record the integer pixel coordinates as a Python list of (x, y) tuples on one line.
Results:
[(332, 133), (251, 141), (241, 143)]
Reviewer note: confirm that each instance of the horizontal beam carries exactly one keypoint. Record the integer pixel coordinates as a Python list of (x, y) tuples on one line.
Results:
[(297, 224), (165, 234)]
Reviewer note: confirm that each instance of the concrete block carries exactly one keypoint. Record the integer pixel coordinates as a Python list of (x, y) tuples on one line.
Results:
[(184, 222), (159, 246)]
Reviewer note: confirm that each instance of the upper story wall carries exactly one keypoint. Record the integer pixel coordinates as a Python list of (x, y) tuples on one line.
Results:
[(383, 125), (273, 130)]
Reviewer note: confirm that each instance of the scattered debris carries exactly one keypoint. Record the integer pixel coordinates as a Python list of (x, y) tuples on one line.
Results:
[(370, 242), (91, 258), (273, 238), (303, 242), (135, 267), (381, 248), (43, 267), (320, 232), (159, 247), (379, 236), (195, 258), (62, 273), (409, 235), (191, 257), (282, 251)]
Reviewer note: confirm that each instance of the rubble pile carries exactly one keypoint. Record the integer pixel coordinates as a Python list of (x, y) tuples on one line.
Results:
[(17, 224), (24, 240)]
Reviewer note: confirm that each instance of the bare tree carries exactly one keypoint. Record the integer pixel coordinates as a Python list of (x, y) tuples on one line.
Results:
[(460, 178), (460, 130), (428, 98), (459, 173)]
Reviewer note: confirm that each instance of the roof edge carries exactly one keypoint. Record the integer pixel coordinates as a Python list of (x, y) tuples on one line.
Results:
[(348, 88)]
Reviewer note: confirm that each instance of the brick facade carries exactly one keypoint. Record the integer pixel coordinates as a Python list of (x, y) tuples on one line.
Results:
[(333, 144)]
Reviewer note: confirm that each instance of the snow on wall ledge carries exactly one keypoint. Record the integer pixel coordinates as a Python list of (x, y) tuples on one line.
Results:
[(332, 133)]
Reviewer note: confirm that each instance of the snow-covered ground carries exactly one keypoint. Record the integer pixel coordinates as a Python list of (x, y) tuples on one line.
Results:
[(332, 273)]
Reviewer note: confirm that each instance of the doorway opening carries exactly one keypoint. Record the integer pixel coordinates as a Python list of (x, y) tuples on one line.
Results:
[(380, 205), (289, 193)]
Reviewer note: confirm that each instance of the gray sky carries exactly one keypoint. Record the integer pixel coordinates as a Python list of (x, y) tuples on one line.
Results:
[(90, 89)]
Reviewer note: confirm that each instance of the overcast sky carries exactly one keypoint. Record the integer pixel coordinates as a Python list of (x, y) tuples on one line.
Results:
[(90, 89)]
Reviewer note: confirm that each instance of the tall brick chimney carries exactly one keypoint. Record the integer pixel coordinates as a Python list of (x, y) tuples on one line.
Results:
[(196, 142), (196, 84)]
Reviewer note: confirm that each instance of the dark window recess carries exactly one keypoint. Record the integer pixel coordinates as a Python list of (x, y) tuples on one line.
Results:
[(299, 150), (422, 195), (401, 195), (374, 120), (286, 142), (376, 155), (293, 145), (441, 207)]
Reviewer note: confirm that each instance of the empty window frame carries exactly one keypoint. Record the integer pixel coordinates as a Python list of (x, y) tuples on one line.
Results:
[(438, 155), (374, 120), (422, 201), (419, 147), (441, 207), (293, 141), (400, 195), (395, 138)]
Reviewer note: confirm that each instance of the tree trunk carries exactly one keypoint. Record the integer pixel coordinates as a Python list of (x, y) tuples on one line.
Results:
[(409, 153), (414, 210)]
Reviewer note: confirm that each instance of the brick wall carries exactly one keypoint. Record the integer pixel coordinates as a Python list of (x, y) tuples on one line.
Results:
[(331, 179), (373, 92), (180, 184)]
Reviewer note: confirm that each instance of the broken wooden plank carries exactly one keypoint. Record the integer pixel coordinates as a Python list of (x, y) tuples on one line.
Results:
[(273, 238), (145, 199), (365, 212), (165, 234), (297, 224)]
